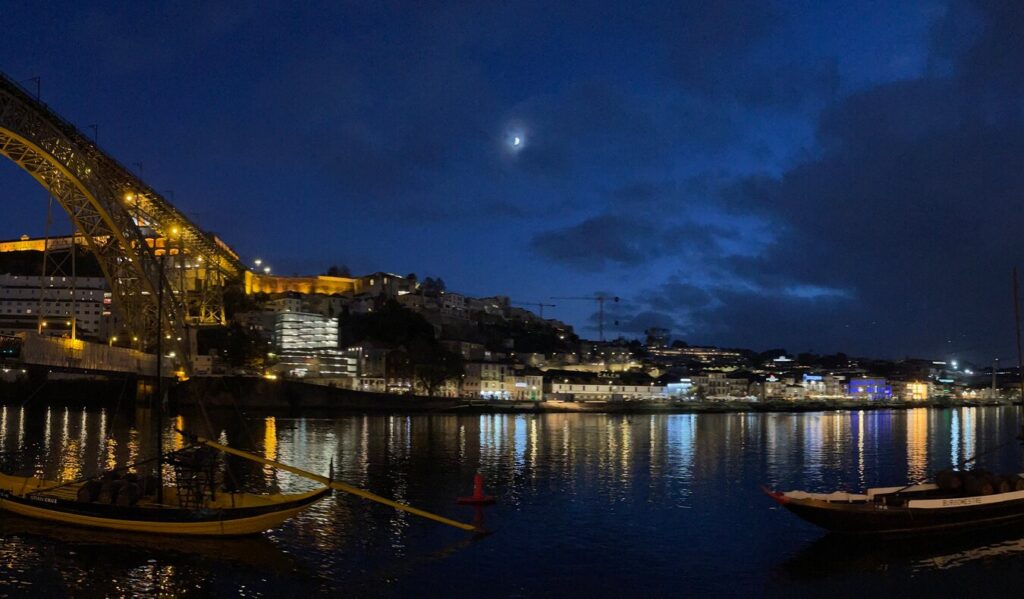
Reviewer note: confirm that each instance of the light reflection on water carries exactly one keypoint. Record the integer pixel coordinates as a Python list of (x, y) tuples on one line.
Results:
[(639, 503)]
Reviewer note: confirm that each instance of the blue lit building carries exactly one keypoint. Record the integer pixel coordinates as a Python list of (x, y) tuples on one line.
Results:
[(870, 389)]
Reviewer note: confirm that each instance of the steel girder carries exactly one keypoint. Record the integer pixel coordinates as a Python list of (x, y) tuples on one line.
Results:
[(36, 140)]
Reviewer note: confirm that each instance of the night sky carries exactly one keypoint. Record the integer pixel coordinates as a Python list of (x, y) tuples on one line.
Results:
[(811, 175)]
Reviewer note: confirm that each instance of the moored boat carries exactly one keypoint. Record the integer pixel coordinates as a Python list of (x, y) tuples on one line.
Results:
[(222, 514), (194, 505), (957, 503)]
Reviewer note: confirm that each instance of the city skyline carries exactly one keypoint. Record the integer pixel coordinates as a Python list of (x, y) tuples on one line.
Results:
[(832, 179)]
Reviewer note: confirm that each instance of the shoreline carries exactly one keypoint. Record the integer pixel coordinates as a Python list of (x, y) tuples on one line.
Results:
[(260, 395), (781, 406)]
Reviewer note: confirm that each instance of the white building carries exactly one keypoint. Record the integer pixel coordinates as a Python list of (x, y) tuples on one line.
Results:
[(290, 303), (307, 346), (484, 379), (368, 366), (716, 385), (527, 387), (607, 392), (488, 380), (23, 299)]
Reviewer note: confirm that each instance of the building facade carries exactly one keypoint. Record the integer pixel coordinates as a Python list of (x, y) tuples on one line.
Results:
[(307, 346), (31, 303)]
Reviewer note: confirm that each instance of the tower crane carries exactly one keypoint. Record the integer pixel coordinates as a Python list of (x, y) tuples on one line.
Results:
[(540, 306), (600, 298)]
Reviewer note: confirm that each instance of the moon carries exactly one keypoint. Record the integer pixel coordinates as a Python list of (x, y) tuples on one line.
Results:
[(514, 139)]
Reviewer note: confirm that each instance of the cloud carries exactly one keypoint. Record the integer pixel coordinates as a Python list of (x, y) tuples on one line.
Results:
[(624, 240), (909, 212), (602, 240)]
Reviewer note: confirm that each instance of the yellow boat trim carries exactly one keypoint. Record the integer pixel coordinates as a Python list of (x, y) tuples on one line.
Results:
[(21, 487)]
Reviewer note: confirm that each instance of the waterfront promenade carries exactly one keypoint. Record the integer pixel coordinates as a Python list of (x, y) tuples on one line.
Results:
[(256, 393)]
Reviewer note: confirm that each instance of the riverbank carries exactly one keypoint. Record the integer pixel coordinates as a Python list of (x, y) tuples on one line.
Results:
[(295, 397), (251, 393)]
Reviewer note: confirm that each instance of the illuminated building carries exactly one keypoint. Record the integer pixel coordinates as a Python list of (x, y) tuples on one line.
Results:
[(575, 391), (38, 244), (699, 354), (484, 379), (711, 385), (24, 298), (911, 390), (307, 346), (872, 389), (527, 387), (369, 366), (489, 380), (377, 284)]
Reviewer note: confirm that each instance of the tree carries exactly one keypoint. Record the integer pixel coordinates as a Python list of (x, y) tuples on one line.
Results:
[(240, 347), (433, 287), (339, 271), (434, 366), (391, 325), (807, 358)]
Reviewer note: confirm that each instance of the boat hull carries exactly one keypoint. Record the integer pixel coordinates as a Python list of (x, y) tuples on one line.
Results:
[(253, 514), (871, 519)]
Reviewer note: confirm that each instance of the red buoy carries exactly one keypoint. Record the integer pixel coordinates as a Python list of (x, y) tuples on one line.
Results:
[(478, 497)]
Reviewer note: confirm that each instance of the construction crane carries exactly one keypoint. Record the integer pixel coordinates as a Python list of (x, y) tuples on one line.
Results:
[(540, 306), (600, 298)]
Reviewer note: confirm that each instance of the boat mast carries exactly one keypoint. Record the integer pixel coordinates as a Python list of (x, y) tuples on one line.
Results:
[(1016, 314), (158, 399)]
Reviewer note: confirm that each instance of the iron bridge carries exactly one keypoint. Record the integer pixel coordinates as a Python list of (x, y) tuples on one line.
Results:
[(113, 209)]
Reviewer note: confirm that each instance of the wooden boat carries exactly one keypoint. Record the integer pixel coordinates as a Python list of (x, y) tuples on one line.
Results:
[(225, 514), (192, 507), (910, 510)]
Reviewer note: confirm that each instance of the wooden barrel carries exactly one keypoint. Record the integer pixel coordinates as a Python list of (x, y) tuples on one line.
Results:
[(976, 484), (949, 480)]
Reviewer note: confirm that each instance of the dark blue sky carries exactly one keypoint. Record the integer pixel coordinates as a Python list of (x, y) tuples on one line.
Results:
[(811, 175)]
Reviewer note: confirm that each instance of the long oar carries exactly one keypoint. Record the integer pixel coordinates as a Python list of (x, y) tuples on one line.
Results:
[(337, 485)]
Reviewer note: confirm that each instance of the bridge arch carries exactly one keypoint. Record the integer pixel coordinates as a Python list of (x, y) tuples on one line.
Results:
[(98, 203)]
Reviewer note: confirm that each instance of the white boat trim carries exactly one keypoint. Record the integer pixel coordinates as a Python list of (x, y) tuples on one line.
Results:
[(911, 489), (931, 504), (836, 496)]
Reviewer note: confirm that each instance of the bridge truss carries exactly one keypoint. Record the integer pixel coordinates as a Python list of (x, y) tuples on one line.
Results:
[(124, 222)]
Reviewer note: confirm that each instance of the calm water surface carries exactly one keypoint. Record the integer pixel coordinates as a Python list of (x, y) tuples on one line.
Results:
[(601, 505)]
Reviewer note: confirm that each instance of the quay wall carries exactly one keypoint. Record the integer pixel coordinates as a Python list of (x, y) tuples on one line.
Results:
[(259, 393)]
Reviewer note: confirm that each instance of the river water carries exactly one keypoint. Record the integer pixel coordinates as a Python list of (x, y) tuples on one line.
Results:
[(588, 504)]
